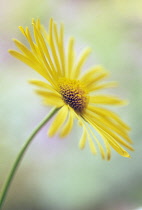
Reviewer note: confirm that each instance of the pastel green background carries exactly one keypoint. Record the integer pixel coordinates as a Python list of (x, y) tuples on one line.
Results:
[(55, 174)]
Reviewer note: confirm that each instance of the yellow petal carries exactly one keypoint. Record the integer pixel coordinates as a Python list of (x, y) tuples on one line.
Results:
[(101, 151), (98, 143), (68, 126), (83, 139), (91, 73), (61, 49), (70, 56), (25, 50), (103, 130), (22, 30), (45, 55), (52, 46), (108, 150), (117, 147), (96, 79), (53, 99), (58, 121), (29, 62), (110, 124), (59, 41), (48, 94), (26, 33), (45, 33), (106, 144), (107, 113), (43, 59), (92, 145), (81, 61), (42, 85), (97, 124), (97, 87), (106, 99), (29, 38)]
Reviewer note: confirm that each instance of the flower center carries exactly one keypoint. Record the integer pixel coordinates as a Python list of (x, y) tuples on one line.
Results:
[(73, 94)]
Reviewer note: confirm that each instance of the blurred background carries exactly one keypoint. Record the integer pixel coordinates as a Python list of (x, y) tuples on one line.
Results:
[(55, 174)]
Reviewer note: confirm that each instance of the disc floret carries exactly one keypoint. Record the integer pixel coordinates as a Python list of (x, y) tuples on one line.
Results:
[(74, 94)]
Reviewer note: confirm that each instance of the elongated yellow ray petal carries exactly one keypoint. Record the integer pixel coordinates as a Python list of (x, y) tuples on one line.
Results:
[(42, 85), (26, 33), (38, 24), (107, 113), (82, 59), (61, 49), (53, 101), (68, 126), (70, 57), (45, 34), (102, 126), (108, 149), (31, 56), (43, 58), (48, 94), (45, 55), (22, 30), (29, 62), (96, 79), (59, 42), (52, 45), (29, 38), (25, 50), (106, 99), (96, 87), (106, 132), (83, 139), (91, 73), (110, 140), (117, 147), (92, 145), (105, 121), (119, 130), (51, 98), (58, 121), (99, 145)]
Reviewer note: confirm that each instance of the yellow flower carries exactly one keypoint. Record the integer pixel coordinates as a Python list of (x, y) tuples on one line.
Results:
[(75, 95)]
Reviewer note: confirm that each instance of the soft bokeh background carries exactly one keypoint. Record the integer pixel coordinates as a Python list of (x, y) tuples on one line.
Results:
[(55, 174)]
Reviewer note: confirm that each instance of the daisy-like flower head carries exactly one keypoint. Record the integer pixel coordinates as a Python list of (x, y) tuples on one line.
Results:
[(75, 95)]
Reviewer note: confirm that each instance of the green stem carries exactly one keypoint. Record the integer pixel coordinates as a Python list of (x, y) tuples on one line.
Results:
[(21, 154)]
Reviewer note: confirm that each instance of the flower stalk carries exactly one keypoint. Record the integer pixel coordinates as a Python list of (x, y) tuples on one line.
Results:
[(21, 154)]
